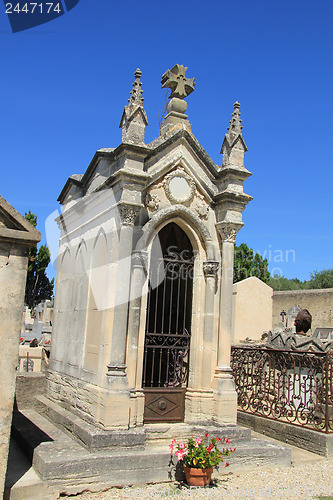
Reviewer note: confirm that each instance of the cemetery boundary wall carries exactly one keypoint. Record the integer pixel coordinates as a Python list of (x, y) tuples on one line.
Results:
[(318, 302)]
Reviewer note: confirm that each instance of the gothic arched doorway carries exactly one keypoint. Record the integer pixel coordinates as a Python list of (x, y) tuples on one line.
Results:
[(168, 326)]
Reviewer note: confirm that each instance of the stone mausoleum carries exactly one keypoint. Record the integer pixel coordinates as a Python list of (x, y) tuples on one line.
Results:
[(143, 310)]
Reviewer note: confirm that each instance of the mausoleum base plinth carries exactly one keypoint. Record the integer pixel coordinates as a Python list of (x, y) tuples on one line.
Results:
[(225, 397), (137, 406), (197, 404), (106, 407)]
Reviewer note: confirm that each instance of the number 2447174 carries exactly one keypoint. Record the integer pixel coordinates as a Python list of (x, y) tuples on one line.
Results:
[(32, 7)]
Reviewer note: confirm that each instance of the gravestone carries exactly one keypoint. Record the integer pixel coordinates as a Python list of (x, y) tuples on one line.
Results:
[(291, 316)]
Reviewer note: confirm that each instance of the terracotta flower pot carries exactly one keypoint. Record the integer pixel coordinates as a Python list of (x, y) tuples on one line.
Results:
[(198, 477)]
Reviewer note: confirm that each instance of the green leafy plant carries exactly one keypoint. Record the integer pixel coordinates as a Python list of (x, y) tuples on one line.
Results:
[(201, 453)]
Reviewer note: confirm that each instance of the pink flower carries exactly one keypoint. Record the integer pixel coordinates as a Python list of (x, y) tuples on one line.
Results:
[(197, 441), (228, 440), (207, 434), (180, 454), (181, 446)]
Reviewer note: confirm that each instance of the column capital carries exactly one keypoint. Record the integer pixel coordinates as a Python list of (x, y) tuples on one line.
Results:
[(210, 268), (128, 214), (228, 230), (140, 259)]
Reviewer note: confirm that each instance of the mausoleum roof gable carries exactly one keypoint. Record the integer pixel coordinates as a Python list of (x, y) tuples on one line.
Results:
[(15, 227), (161, 143)]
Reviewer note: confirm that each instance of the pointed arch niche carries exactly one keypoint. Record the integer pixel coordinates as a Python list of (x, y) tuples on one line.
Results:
[(97, 305), (182, 236)]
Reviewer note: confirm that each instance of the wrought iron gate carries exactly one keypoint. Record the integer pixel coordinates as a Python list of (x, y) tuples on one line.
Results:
[(167, 340)]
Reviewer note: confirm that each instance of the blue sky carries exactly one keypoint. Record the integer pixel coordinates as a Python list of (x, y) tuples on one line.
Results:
[(64, 85)]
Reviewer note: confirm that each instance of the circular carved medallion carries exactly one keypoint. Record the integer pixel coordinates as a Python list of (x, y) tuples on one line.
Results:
[(179, 187)]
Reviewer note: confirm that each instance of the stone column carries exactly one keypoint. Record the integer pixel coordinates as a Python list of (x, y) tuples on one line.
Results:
[(117, 378), (223, 384), (139, 276), (210, 269)]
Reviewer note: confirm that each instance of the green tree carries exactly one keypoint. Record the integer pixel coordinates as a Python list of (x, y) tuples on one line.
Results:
[(280, 283), (321, 279), (247, 264), (38, 286)]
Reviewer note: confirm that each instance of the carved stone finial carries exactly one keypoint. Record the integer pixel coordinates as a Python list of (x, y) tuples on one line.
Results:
[(134, 119), (175, 79), (136, 94), (235, 122)]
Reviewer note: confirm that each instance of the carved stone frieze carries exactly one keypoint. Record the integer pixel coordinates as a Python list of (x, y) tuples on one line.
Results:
[(210, 268)]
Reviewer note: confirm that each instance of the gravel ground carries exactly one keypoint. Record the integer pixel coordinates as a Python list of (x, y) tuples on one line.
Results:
[(304, 482)]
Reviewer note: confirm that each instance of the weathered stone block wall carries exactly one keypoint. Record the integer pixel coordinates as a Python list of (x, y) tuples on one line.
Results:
[(318, 302)]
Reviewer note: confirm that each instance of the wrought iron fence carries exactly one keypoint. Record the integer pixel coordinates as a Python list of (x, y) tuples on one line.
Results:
[(289, 386)]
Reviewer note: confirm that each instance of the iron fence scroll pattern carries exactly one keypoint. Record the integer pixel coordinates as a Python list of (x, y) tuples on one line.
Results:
[(292, 387)]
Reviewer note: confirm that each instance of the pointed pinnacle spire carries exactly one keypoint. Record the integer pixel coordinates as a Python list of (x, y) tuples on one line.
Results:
[(136, 98), (235, 122)]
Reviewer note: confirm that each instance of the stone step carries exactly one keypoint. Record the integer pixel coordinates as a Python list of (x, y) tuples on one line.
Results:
[(163, 434), (68, 464), (91, 435)]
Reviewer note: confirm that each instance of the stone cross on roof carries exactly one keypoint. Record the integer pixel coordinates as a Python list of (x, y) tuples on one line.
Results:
[(175, 79)]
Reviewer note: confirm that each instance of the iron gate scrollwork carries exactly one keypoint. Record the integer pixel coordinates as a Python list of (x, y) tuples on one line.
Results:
[(167, 337)]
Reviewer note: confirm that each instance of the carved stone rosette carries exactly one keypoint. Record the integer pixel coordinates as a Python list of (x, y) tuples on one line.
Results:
[(210, 268), (228, 231), (128, 214)]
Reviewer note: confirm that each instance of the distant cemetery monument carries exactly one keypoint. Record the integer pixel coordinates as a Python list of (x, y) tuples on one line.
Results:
[(143, 310)]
